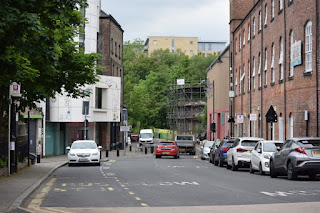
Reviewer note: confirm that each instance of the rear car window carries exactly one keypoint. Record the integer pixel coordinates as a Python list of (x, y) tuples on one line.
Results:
[(184, 138), (229, 144), (309, 143), (249, 143), (166, 143)]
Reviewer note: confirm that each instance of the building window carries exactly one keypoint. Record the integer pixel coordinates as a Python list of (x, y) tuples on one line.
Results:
[(236, 45), (100, 98), (291, 54), (244, 37), (191, 42), (281, 59), (259, 71), (249, 76), (290, 126), (239, 42), (119, 52), (115, 49), (191, 52), (155, 42), (260, 21), (248, 32), (272, 8), (308, 46), (266, 15), (272, 65), (254, 26), (280, 5), (254, 73), (111, 45), (266, 67)]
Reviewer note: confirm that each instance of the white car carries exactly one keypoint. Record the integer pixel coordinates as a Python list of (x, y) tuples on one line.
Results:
[(84, 151), (205, 149), (260, 156), (239, 155)]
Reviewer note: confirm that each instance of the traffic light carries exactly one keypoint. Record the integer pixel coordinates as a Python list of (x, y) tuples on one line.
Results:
[(212, 127), (86, 123)]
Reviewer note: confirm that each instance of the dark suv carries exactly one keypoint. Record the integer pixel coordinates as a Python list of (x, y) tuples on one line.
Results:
[(219, 157)]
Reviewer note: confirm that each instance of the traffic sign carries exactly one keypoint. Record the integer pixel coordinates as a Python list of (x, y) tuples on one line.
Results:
[(124, 128)]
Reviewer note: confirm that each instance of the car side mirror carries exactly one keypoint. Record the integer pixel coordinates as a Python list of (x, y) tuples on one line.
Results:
[(201, 147), (68, 148), (259, 151), (99, 147), (278, 148)]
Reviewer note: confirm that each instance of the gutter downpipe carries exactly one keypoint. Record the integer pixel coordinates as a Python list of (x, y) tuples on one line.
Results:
[(317, 63), (284, 70), (261, 74), (232, 98)]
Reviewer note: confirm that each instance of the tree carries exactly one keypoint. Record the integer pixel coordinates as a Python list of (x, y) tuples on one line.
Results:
[(37, 50)]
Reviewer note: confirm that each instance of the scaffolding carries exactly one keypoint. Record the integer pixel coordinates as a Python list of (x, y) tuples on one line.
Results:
[(185, 103)]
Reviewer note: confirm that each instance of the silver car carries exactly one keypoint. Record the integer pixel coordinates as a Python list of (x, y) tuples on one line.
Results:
[(297, 156), (205, 150)]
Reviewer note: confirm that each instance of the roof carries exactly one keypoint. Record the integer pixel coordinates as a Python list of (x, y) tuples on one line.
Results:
[(218, 59), (104, 15)]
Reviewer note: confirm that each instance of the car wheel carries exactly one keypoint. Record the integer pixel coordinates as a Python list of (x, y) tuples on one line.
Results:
[(228, 166), (251, 169), (312, 176), (233, 166), (176, 156), (210, 161), (220, 164), (158, 156), (273, 173), (70, 164), (290, 172), (216, 163), (261, 172)]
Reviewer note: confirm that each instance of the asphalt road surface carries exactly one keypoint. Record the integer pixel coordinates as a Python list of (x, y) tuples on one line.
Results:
[(165, 182)]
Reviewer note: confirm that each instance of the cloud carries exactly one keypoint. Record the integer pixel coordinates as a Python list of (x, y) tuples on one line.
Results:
[(205, 19)]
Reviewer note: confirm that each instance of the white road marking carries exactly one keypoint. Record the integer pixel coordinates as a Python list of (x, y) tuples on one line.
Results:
[(291, 193)]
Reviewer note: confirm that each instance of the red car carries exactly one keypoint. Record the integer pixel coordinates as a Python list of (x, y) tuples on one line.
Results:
[(167, 148), (134, 137)]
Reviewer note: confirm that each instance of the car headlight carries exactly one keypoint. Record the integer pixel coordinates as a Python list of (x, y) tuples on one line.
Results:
[(266, 156), (95, 153)]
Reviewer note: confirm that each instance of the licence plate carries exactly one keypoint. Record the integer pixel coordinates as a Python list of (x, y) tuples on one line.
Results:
[(316, 152), (83, 160), (250, 151), (181, 149), (165, 153)]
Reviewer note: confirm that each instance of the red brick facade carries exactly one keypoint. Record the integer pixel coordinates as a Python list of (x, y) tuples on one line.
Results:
[(290, 92)]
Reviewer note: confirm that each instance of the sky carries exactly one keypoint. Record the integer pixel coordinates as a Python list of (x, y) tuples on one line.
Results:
[(206, 19)]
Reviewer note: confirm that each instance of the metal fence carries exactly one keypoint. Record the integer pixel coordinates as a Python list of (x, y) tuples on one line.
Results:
[(21, 151), (3, 148)]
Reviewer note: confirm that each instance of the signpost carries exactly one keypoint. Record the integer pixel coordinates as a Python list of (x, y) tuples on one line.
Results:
[(125, 129), (85, 112)]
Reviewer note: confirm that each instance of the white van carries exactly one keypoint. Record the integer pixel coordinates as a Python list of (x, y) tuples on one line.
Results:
[(146, 136)]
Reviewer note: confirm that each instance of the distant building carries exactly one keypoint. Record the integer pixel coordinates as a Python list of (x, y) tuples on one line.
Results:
[(274, 50), (218, 97), (188, 45)]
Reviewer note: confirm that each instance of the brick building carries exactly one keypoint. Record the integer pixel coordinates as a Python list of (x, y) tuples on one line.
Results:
[(110, 44), (274, 50)]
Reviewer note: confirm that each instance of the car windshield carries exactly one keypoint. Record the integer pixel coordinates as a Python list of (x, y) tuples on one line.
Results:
[(229, 144), (166, 143), (248, 143), (146, 135), (309, 143), (84, 145), (269, 147), (208, 144), (183, 137)]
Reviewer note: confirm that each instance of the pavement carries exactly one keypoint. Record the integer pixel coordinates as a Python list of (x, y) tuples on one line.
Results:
[(14, 189)]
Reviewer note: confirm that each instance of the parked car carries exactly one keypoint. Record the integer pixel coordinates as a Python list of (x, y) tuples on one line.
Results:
[(240, 153), (261, 154), (219, 156), (212, 150), (134, 137), (205, 149), (167, 148), (297, 156), (84, 151)]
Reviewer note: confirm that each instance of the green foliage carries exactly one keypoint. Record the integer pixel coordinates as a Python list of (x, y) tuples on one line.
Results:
[(147, 79), (37, 50), (3, 161)]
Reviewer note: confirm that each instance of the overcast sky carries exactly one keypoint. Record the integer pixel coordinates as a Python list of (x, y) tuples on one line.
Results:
[(206, 19)]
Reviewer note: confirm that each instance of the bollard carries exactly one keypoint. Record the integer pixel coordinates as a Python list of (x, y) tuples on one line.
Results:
[(100, 155), (146, 150), (38, 158), (118, 152), (152, 149), (107, 153), (130, 148)]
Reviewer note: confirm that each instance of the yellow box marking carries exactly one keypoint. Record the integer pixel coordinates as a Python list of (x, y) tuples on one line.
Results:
[(123, 185), (131, 193), (112, 161), (138, 198), (144, 205), (82, 184), (64, 185), (110, 188), (59, 190), (126, 188)]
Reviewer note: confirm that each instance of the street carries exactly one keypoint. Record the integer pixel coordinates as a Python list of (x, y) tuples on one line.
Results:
[(166, 182)]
